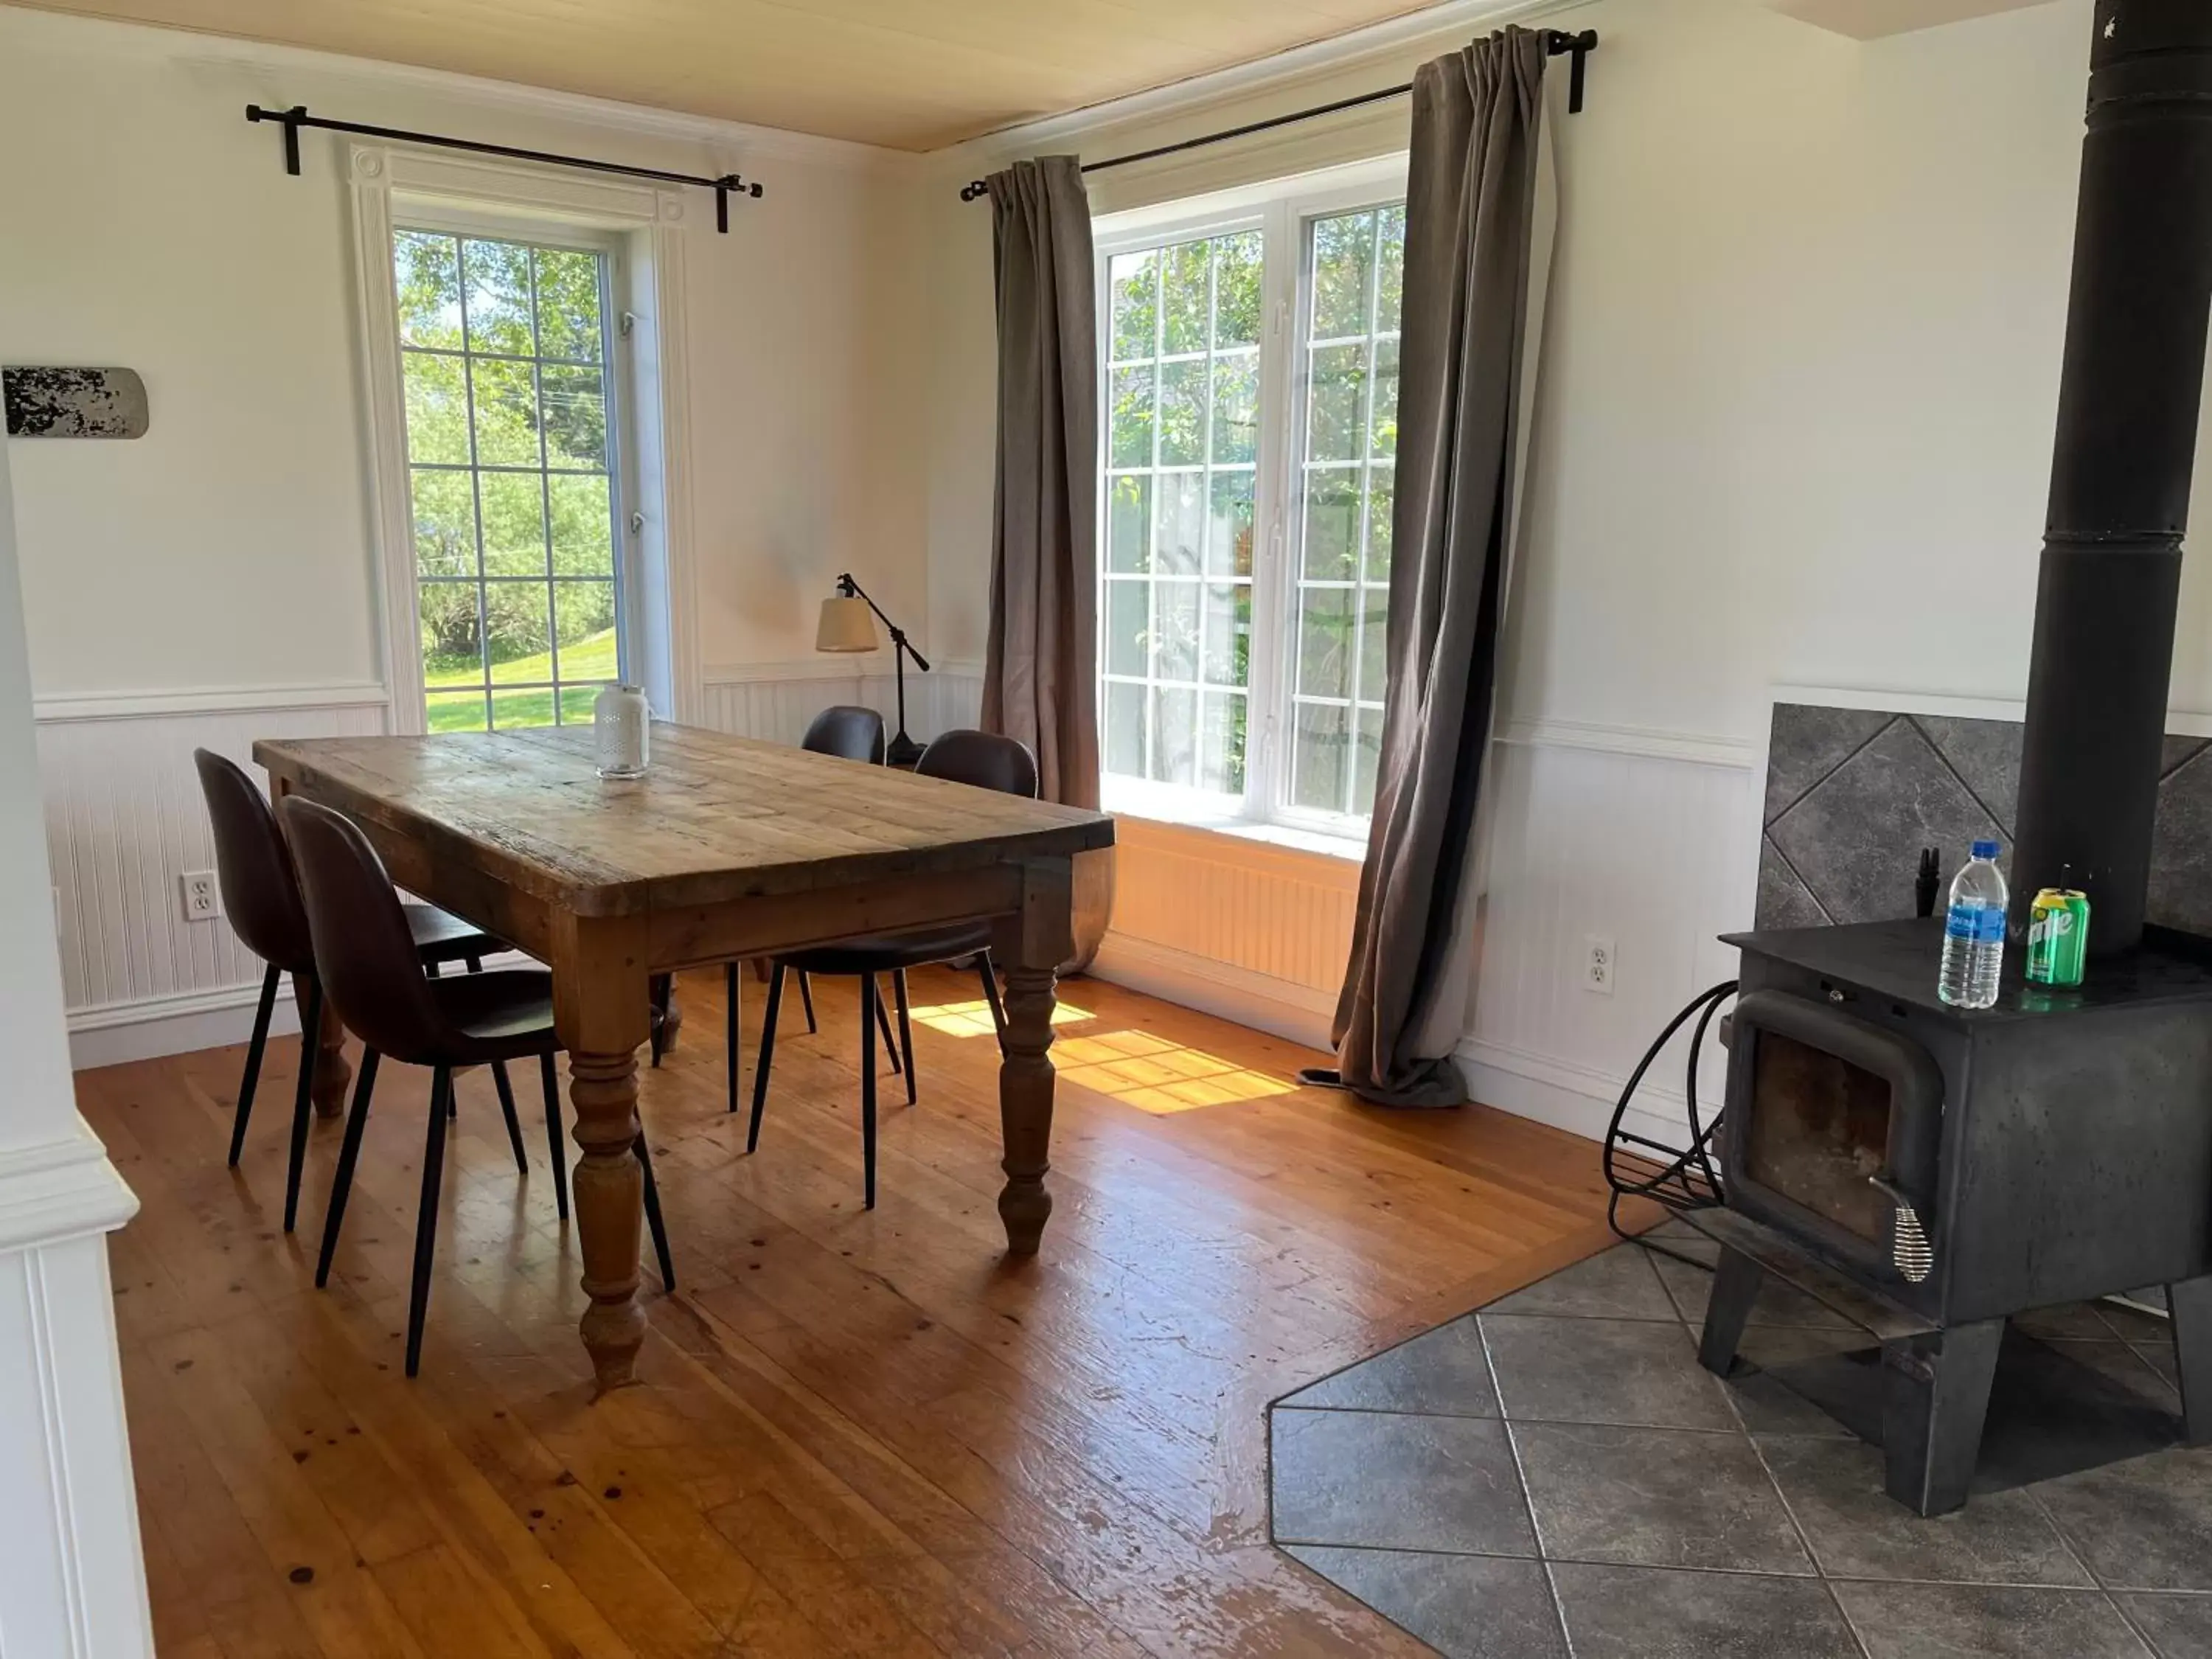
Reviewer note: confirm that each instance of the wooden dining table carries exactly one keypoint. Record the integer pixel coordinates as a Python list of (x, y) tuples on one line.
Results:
[(727, 848)]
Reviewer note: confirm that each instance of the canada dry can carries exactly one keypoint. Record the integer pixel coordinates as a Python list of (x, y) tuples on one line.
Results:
[(2057, 937)]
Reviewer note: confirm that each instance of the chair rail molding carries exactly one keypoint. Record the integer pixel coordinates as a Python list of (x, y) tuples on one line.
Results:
[(75, 1588)]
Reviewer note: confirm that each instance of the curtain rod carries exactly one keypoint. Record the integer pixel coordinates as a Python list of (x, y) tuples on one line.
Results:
[(1557, 44), (297, 117)]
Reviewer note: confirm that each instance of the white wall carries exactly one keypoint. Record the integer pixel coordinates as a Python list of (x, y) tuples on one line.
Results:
[(72, 1581), (214, 581), (1800, 382)]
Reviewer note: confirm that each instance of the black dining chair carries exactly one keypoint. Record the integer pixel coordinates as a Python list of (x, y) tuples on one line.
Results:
[(985, 761), (364, 956), (844, 732), (261, 897)]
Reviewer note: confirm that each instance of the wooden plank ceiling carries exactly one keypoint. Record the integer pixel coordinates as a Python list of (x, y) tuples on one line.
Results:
[(910, 74)]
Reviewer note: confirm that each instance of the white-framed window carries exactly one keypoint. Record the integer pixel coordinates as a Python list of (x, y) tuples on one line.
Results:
[(1247, 438), (523, 334), (514, 430)]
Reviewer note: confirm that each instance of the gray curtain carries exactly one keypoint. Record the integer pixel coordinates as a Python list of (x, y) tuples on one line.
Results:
[(1040, 665), (1470, 209)]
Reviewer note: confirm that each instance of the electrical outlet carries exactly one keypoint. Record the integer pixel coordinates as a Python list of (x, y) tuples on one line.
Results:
[(1597, 964), (201, 900)]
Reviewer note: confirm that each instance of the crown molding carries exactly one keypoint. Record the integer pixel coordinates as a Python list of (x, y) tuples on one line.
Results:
[(1386, 38), (265, 64)]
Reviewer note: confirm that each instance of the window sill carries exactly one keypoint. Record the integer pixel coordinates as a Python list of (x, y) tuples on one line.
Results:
[(1343, 849)]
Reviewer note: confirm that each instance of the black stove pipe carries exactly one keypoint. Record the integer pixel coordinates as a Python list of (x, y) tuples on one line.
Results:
[(2133, 382)]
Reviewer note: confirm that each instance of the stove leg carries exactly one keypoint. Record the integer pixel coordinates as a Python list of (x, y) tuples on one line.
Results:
[(1737, 1284), (2189, 1302), (1936, 1393)]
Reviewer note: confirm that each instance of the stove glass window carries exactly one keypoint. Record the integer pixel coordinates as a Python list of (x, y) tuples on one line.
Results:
[(1819, 1128)]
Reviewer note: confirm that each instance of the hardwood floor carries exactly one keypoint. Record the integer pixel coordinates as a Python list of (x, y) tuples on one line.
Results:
[(858, 1432)]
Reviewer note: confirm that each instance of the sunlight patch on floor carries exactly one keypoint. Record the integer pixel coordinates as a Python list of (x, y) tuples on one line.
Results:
[(1153, 1074), (1158, 1075), (969, 1019)]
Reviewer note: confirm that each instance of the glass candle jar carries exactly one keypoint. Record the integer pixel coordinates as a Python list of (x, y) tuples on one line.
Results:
[(622, 723)]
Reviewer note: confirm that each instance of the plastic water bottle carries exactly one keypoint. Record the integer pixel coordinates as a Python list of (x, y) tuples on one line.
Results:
[(1974, 932)]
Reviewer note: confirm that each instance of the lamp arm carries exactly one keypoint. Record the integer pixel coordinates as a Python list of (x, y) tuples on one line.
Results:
[(852, 590)]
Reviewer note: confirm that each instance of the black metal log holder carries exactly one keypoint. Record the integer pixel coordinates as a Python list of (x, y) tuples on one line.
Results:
[(296, 117), (1557, 42), (2128, 400)]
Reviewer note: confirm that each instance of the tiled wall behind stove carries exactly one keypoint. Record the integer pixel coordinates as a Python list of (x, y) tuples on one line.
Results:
[(1853, 794)]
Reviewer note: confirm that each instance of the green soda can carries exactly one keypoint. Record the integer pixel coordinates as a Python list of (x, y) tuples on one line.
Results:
[(2057, 937)]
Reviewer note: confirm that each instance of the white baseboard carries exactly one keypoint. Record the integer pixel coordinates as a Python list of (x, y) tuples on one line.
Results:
[(1579, 1099), (72, 1578), (1260, 1000), (119, 1032)]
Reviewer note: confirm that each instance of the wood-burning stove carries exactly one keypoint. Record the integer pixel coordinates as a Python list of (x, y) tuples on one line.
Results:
[(1955, 1166), (2070, 1155)]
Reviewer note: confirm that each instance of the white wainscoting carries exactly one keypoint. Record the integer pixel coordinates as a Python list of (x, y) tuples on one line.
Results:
[(1648, 839), (1252, 932), (124, 821), (775, 700), (72, 1582)]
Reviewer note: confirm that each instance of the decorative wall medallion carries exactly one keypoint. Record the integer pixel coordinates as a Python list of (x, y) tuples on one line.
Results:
[(74, 402)]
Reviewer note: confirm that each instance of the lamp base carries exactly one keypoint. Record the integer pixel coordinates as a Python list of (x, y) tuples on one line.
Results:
[(902, 751)]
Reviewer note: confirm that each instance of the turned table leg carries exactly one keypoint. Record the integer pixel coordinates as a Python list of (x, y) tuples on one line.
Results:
[(1029, 948), (332, 1072), (602, 1007)]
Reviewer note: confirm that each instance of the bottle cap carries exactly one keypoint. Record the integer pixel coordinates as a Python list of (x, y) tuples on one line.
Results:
[(1985, 849)]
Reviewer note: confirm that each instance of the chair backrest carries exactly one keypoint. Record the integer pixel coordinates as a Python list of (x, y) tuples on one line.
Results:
[(260, 894), (364, 953), (984, 759), (850, 733)]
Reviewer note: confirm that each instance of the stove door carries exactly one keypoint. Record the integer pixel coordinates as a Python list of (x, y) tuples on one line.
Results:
[(1832, 1119)]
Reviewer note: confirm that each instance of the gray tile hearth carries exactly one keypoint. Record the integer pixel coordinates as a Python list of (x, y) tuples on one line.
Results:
[(1554, 1477)]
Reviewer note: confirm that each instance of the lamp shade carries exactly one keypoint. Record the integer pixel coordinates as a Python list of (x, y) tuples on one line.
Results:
[(847, 625)]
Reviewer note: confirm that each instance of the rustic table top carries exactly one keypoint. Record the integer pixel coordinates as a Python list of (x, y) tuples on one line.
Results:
[(718, 818)]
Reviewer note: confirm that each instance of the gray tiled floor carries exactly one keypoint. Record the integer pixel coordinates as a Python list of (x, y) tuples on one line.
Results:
[(1555, 1475)]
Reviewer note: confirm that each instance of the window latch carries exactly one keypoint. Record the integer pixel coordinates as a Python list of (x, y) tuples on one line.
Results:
[(628, 323), (637, 524)]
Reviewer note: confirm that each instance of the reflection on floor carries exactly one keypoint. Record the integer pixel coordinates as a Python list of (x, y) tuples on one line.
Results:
[(1145, 1069), (1555, 1474)]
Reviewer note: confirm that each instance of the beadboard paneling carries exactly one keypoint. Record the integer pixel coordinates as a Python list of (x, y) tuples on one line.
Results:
[(1651, 849), (124, 820), (1238, 927), (776, 700)]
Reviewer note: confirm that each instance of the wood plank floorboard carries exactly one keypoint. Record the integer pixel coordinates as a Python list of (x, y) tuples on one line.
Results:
[(858, 1432)]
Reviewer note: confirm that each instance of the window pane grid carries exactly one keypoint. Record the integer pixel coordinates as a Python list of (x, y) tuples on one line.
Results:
[(1182, 378), (1347, 473), (504, 351)]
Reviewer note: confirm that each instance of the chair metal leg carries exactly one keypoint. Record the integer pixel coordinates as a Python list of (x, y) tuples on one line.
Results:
[(730, 981), (514, 1123), (870, 1008), (652, 1221), (884, 1024), (905, 1031), (989, 971), (806, 1002), (656, 1037), (552, 1082), (767, 1053), (349, 1153), (303, 1102), (253, 1049), (426, 1214)]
